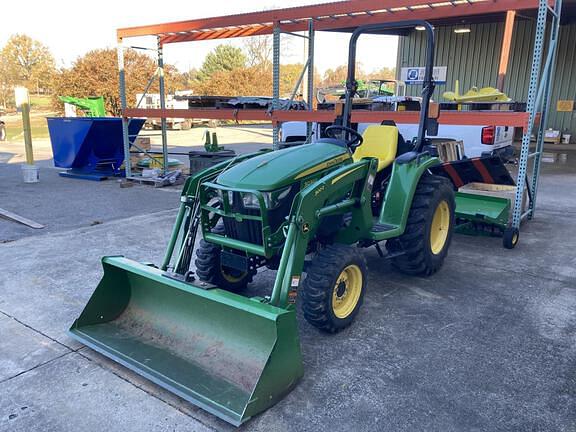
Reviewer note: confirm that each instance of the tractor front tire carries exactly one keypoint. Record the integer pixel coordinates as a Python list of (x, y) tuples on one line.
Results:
[(334, 288), (209, 268), (422, 248)]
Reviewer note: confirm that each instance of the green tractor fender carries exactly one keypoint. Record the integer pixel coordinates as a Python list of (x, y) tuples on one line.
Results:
[(400, 192)]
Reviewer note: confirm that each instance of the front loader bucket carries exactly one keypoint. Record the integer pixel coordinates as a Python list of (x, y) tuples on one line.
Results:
[(228, 354)]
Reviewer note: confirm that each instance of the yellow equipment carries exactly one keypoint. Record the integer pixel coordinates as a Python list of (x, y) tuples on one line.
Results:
[(485, 94)]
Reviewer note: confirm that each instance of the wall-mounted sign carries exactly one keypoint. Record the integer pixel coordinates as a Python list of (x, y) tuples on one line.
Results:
[(415, 75), (565, 106)]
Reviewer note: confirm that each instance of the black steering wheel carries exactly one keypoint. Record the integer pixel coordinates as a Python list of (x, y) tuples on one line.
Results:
[(352, 138)]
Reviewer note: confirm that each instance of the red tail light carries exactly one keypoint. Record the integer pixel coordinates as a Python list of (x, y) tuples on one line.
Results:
[(488, 134)]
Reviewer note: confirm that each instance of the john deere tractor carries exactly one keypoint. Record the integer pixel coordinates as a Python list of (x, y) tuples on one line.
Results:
[(306, 212)]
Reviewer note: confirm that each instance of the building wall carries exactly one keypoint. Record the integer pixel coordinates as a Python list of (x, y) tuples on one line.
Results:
[(473, 59)]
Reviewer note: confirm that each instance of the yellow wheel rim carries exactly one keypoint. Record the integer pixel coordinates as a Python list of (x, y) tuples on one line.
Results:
[(440, 227), (231, 278), (347, 291)]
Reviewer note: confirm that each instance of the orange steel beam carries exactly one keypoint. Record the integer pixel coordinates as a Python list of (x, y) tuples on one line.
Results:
[(472, 118), (212, 114), (505, 52), (328, 16), (302, 12), (431, 14)]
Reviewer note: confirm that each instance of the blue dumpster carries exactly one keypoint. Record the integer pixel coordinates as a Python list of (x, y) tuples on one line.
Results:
[(90, 147)]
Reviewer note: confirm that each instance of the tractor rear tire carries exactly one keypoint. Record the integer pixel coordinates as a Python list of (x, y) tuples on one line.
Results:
[(422, 248), (334, 288), (209, 269)]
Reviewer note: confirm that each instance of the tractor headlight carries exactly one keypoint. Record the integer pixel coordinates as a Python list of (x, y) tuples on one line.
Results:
[(271, 199), (250, 200), (220, 196), (276, 197)]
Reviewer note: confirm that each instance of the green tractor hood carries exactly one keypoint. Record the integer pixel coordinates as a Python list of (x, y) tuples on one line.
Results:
[(281, 168)]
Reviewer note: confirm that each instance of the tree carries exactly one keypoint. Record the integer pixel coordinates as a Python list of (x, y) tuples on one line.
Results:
[(27, 61), (251, 81), (223, 58), (24, 61), (386, 73), (96, 74), (258, 51), (334, 77)]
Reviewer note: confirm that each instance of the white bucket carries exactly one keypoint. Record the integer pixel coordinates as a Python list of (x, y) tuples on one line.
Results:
[(30, 173), (566, 138)]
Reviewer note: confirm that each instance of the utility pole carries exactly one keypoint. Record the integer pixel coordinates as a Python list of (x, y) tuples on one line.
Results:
[(29, 170)]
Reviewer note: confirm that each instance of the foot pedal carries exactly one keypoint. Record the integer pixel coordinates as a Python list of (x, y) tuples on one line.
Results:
[(380, 227)]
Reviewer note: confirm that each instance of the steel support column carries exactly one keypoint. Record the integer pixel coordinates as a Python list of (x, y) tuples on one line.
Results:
[(531, 108), (310, 82), (123, 105), (162, 106), (275, 81), (545, 84)]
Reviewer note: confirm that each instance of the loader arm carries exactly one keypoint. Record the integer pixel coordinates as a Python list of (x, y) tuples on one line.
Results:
[(354, 183), (188, 212)]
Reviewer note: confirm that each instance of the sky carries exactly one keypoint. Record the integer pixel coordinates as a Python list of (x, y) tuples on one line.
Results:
[(72, 28)]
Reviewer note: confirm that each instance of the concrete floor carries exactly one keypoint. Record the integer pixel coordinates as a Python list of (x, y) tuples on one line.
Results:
[(487, 344)]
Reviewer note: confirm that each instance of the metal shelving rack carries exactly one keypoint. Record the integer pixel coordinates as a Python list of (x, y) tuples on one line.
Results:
[(345, 16)]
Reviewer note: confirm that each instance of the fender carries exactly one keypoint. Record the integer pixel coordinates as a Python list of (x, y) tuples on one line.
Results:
[(400, 192)]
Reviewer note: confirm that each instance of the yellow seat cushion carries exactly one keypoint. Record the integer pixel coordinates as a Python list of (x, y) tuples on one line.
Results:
[(380, 142)]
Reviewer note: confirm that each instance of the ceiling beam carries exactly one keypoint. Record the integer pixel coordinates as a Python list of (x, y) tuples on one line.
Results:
[(396, 8)]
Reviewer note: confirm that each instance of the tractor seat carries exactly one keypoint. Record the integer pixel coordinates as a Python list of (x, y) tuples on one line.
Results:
[(380, 142)]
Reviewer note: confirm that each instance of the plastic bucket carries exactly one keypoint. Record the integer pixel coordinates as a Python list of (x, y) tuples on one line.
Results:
[(30, 173), (230, 355)]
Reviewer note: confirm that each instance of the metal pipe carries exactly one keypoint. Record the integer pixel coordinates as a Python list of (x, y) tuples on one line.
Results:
[(275, 81), (281, 273), (428, 84), (148, 85), (162, 106), (174, 236), (298, 82), (123, 105), (310, 92)]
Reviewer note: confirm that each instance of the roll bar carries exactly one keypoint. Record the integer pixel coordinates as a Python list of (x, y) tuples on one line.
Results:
[(428, 85)]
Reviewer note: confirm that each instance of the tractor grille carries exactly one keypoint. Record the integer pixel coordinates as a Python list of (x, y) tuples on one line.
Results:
[(249, 231)]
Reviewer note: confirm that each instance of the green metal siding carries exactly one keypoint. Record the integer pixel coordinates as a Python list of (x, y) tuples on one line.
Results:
[(473, 59)]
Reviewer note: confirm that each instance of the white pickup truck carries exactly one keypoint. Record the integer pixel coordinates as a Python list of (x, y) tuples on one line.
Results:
[(478, 140)]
